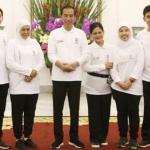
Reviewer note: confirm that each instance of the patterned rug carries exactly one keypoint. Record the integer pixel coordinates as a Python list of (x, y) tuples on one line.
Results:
[(7, 124)]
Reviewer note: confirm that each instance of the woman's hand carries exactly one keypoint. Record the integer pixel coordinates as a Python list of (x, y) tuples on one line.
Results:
[(122, 85), (27, 78), (109, 65), (128, 83), (33, 73)]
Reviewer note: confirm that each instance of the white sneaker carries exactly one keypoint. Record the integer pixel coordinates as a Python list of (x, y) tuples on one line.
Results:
[(95, 144), (104, 143)]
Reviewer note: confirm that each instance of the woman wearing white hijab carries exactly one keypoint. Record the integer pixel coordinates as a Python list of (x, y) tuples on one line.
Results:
[(127, 84), (24, 59)]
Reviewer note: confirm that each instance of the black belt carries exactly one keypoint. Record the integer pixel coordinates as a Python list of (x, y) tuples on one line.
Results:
[(98, 75)]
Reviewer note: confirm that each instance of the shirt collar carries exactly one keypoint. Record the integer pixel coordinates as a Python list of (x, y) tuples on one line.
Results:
[(97, 46), (72, 30)]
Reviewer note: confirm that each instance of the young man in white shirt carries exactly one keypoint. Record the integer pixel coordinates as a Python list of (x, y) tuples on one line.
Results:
[(3, 82), (67, 50), (144, 37)]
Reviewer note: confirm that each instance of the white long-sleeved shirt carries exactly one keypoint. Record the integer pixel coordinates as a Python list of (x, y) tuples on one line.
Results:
[(67, 47), (99, 57), (21, 59), (129, 66), (144, 37), (3, 68)]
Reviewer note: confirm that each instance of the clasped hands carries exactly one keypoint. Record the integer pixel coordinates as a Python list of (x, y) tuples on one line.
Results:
[(32, 75), (125, 85), (69, 67)]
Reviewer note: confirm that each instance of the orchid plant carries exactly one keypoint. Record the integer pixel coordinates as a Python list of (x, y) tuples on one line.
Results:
[(46, 14)]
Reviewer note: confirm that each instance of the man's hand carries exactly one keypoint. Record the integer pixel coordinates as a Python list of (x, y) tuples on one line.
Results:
[(68, 67), (75, 64)]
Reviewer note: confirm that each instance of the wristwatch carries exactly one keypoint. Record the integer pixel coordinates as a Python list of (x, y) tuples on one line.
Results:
[(132, 80)]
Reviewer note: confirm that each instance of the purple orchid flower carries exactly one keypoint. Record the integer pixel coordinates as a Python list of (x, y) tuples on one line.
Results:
[(51, 19), (86, 25), (49, 26), (35, 24)]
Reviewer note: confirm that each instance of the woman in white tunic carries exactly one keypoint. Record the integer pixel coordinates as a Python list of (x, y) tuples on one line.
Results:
[(127, 84), (97, 89), (24, 59)]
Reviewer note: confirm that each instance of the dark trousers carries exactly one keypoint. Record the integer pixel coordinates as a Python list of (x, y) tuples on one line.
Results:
[(60, 89), (3, 96), (146, 117), (23, 104), (127, 106), (98, 114)]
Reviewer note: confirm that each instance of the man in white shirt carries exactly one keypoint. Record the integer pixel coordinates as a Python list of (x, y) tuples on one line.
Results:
[(144, 37), (67, 50), (3, 82)]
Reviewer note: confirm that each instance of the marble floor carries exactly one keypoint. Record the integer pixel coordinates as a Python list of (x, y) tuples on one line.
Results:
[(45, 106)]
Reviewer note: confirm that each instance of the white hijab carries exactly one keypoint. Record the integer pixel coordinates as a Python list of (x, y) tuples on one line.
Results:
[(124, 47), (120, 43), (19, 25)]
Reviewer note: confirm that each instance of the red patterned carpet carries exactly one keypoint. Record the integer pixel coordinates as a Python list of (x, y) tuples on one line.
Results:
[(43, 137)]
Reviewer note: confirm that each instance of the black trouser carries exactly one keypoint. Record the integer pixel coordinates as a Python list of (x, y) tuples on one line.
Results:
[(26, 104), (98, 114), (146, 117), (3, 96), (60, 89), (127, 106)]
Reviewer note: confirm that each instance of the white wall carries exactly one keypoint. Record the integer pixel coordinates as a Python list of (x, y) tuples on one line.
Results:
[(14, 10), (115, 11), (122, 10)]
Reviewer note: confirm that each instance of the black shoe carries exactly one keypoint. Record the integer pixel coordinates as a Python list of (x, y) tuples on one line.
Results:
[(144, 143), (122, 142), (29, 143), (95, 144), (20, 145), (76, 143), (57, 144), (132, 144), (3, 145)]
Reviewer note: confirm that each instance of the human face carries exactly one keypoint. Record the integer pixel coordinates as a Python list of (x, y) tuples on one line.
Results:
[(124, 33), (1, 17), (68, 18), (147, 19), (25, 32), (97, 35)]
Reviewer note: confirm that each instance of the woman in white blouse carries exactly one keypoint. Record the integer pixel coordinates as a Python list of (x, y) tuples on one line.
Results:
[(24, 59), (97, 89), (127, 84)]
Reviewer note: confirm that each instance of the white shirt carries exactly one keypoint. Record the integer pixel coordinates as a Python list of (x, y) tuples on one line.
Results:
[(67, 47), (144, 37), (127, 66), (99, 57), (21, 59), (3, 68)]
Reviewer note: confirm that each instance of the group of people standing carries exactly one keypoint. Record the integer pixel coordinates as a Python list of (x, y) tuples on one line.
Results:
[(126, 64)]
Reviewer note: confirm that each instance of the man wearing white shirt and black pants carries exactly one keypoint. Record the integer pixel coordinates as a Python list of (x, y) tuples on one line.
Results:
[(67, 50), (3, 81)]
